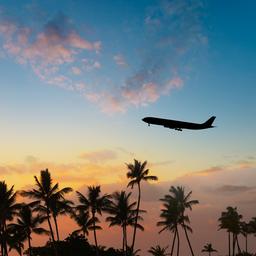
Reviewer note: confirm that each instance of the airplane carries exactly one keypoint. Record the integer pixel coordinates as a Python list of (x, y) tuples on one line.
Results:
[(179, 125)]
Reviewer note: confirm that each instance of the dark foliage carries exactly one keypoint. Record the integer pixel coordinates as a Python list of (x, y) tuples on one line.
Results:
[(74, 244)]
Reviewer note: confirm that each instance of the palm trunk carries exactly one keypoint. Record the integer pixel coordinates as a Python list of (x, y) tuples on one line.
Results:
[(178, 238), (29, 244), (246, 243), (5, 242), (173, 242), (234, 245), (238, 245), (123, 241), (52, 234), (186, 233), (209, 253), (136, 220), (94, 233), (229, 251), (56, 227)]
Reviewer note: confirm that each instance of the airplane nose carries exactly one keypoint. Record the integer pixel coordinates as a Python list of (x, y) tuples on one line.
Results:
[(144, 119)]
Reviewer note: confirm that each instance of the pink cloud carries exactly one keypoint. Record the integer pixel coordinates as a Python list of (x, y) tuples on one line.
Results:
[(143, 95), (48, 50)]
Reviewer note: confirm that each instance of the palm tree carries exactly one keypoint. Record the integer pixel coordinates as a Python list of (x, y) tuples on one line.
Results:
[(28, 224), (137, 172), (58, 206), (208, 248), (246, 229), (183, 202), (8, 208), (158, 251), (44, 193), (14, 240), (172, 218), (230, 220), (84, 222), (123, 214), (95, 204)]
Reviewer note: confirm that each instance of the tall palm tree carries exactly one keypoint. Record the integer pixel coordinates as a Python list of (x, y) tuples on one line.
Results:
[(122, 214), (28, 224), (137, 172), (208, 248), (85, 222), (158, 251), (8, 208), (183, 201), (44, 193), (94, 203)]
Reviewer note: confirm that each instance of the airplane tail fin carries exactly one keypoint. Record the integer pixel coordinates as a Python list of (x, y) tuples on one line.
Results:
[(209, 122)]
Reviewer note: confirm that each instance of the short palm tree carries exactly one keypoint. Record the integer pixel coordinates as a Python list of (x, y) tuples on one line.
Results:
[(182, 201), (230, 220), (8, 209), (84, 222), (158, 251), (94, 203), (208, 248), (246, 229), (44, 193), (138, 172), (122, 214), (28, 224), (172, 219)]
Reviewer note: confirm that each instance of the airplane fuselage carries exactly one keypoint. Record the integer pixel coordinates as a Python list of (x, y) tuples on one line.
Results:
[(179, 125)]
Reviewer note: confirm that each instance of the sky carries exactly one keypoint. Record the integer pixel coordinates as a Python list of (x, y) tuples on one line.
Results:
[(77, 77)]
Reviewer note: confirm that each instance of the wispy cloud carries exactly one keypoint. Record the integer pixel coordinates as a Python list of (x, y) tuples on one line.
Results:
[(48, 50), (59, 55)]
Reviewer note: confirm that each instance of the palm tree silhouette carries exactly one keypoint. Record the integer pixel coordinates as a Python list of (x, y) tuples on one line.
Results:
[(28, 224), (58, 206), (95, 204), (208, 248), (158, 251), (45, 193), (246, 229), (8, 208), (137, 172), (230, 220), (123, 214), (183, 202), (84, 222), (172, 218)]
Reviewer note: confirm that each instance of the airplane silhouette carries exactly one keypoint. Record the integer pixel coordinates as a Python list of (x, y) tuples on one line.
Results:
[(179, 125)]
